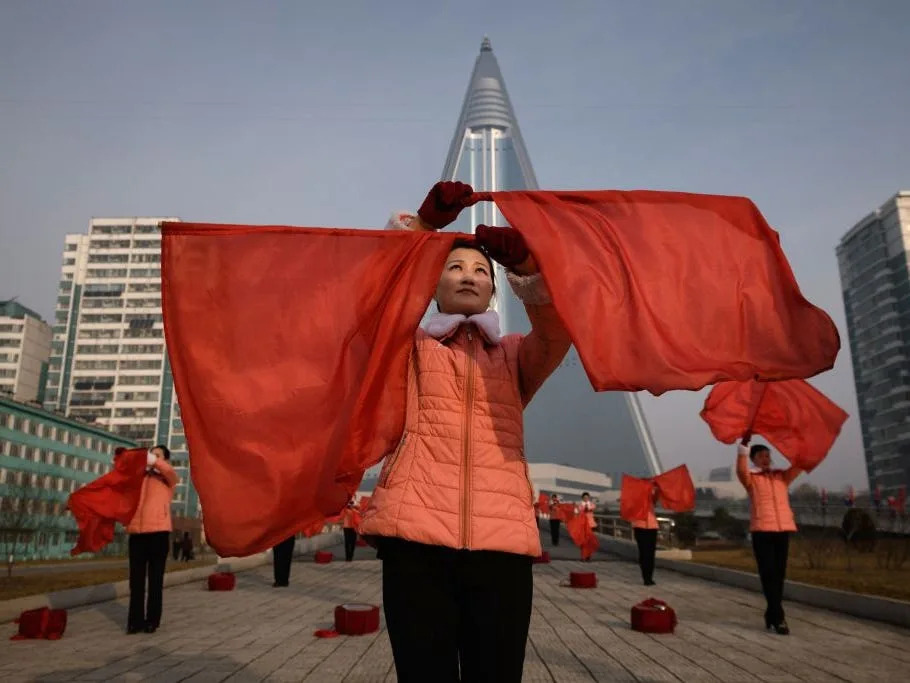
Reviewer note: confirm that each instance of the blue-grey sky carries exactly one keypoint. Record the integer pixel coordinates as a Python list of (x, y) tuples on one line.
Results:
[(334, 113)]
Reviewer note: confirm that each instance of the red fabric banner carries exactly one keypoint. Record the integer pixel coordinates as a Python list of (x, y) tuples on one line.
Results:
[(289, 346), (696, 288), (674, 487), (543, 504), (583, 535), (111, 498), (795, 417), (635, 498), (676, 490)]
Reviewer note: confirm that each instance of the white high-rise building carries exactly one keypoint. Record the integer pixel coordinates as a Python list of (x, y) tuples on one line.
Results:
[(108, 361), (25, 345)]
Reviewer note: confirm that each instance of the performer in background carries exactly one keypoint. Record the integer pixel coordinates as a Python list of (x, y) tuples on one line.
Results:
[(771, 524)]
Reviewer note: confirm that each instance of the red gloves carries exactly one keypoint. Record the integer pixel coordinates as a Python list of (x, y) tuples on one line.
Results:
[(504, 245), (444, 202)]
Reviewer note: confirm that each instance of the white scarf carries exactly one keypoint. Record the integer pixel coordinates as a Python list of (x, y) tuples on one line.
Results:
[(442, 325)]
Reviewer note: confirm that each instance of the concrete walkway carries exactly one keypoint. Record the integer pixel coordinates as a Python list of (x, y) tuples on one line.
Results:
[(260, 633)]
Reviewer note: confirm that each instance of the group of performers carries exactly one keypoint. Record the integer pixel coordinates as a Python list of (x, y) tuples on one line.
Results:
[(452, 516)]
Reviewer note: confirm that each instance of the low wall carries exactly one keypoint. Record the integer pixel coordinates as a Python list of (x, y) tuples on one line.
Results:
[(87, 595)]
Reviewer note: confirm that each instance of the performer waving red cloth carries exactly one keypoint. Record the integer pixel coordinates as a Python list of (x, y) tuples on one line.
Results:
[(109, 499), (290, 346), (799, 420)]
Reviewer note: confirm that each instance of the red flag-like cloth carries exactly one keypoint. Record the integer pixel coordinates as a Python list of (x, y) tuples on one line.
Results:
[(582, 535), (635, 498), (363, 504), (674, 487), (798, 420), (676, 490), (563, 512), (110, 498), (543, 504), (696, 288), (289, 349), (289, 346)]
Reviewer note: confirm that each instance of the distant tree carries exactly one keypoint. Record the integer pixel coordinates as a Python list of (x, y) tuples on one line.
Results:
[(686, 528), (24, 508), (806, 493), (858, 530), (727, 525)]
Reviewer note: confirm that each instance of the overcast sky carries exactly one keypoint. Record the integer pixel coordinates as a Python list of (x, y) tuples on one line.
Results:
[(334, 113)]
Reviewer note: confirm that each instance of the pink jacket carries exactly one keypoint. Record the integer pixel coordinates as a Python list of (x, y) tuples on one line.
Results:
[(769, 497), (154, 511), (458, 477)]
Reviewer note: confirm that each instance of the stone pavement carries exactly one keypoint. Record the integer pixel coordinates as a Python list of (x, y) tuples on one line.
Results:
[(260, 633)]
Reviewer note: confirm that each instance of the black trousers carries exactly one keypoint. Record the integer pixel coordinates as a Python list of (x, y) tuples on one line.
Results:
[(455, 615), (282, 555), (647, 549), (554, 531), (148, 555), (771, 548), (350, 542)]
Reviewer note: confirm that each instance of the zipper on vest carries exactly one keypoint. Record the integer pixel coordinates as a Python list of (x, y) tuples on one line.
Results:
[(466, 447), (774, 500)]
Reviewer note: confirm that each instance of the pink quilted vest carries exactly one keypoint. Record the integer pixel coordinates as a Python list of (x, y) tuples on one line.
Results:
[(770, 502), (458, 477)]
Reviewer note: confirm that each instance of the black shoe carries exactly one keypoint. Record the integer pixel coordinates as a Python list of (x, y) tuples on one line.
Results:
[(279, 584), (649, 582), (150, 629), (782, 629), (132, 630)]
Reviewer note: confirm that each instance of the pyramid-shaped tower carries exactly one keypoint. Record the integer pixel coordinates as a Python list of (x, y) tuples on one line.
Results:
[(567, 422)]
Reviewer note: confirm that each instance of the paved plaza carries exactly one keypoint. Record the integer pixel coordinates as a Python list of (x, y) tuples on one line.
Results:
[(258, 633)]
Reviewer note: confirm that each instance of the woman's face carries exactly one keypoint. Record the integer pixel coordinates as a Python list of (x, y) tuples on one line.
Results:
[(466, 283), (762, 460)]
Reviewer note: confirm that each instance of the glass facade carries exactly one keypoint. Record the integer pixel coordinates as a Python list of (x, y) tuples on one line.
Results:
[(875, 281), (566, 423)]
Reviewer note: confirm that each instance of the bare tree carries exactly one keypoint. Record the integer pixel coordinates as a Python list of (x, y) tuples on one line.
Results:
[(26, 510)]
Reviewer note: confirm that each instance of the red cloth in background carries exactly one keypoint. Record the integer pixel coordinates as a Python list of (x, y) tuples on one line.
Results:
[(582, 535), (795, 417), (635, 498), (674, 487), (543, 504), (111, 498)]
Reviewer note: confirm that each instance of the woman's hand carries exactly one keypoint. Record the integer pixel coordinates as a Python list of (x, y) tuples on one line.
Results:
[(443, 203), (507, 247)]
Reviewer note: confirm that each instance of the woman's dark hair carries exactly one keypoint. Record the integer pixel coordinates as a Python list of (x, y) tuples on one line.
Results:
[(756, 449), (585, 494), (164, 449)]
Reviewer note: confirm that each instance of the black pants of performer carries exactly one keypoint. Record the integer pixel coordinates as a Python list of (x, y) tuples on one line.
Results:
[(455, 615), (647, 549), (771, 548), (554, 531), (282, 555), (350, 542), (148, 555)]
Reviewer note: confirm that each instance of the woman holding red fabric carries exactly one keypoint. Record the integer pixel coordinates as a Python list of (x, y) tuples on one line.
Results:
[(645, 532), (771, 524), (150, 533), (453, 511)]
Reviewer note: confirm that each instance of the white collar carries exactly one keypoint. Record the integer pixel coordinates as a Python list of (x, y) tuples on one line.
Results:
[(441, 326)]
